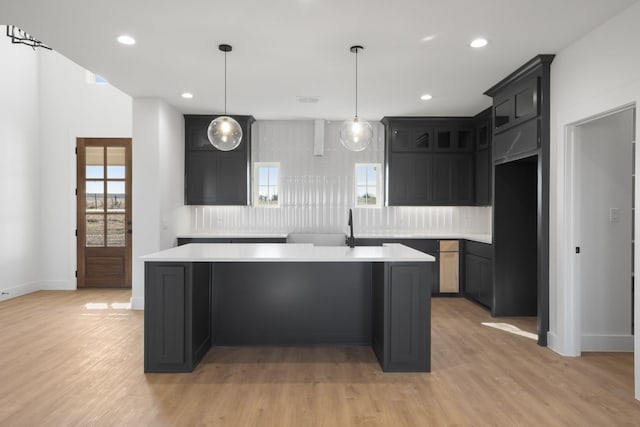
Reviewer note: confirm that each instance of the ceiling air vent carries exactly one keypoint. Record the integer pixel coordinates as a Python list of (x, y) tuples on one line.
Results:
[(308, 99)]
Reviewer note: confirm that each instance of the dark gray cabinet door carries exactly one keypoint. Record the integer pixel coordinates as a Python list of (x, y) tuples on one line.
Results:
[(201, 178), (483, 177), (409, 319), (165, 306), (214, 177), (478, 273), (453, 182), (232, 179), (409, 179), (177, 313)]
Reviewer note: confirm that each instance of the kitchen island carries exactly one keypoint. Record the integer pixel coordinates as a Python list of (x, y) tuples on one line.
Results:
[(199, 296)]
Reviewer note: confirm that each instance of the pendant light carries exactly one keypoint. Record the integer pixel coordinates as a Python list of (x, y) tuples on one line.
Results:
[(356, 134), (224, 132)]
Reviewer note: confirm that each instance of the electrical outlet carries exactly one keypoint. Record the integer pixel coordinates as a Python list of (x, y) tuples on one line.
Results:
[(614, 215)]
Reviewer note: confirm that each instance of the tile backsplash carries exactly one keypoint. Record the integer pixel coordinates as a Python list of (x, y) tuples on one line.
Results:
[(316, 192)]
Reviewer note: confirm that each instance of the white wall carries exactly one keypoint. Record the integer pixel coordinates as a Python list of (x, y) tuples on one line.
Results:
[(597, 73), (158, 184), (316, 192), (19, 170), (604, 177), (46, 104), (69, 108)]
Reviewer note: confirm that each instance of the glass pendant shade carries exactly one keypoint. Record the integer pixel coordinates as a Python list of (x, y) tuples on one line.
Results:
[(224, 133), (355, 134)]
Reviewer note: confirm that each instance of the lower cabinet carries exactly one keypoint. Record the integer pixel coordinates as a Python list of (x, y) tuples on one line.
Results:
[(478, 268), (177, 308), (449, 267), (402, 316)]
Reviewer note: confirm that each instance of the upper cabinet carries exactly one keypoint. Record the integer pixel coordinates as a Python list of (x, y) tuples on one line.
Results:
[(521, 110), (430, 161), (410, 137), (214, 177), (483, 160)]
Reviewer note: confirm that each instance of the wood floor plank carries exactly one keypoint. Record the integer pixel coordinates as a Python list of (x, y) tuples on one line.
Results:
[(73, 358)]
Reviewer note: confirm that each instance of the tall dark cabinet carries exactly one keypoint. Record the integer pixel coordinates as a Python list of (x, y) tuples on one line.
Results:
[(521, 193), (214, 177)]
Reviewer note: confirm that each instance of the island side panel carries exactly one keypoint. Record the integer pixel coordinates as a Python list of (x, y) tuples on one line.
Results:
[(407, 328), (292, 303), (200, 310), (177, 312)]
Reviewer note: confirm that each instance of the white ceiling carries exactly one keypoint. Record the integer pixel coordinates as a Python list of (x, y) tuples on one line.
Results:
[(283, 49)]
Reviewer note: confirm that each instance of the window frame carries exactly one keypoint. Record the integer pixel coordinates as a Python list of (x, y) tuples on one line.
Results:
[(256, 184), (379, 188)]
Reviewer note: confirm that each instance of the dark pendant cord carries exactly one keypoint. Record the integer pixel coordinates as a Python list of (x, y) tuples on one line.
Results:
[(225, 83), (356, 83)]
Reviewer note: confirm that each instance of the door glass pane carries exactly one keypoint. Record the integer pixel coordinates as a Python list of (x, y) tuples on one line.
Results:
[(115, 230), (115, 196), (95, 230), (444, 139), (422, 139), (94, 191), (525, 102), (115, 162), (95, 162)]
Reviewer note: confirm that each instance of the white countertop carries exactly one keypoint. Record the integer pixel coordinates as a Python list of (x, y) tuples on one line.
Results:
[(287, 252), (482, 238)]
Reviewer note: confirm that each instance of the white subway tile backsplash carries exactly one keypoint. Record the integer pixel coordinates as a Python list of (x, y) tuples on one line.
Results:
[(317, 191)]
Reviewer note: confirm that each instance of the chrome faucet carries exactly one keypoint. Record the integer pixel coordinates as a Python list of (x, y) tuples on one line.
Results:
[(351, 241)]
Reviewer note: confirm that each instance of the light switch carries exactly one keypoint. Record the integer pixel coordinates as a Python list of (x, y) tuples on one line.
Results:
[(614, 215)]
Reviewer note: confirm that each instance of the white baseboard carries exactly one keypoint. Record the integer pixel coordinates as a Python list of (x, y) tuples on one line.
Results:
[(555, 343), (58, 285), (552, 342), (609, 343), (16, 291), (137, 303)]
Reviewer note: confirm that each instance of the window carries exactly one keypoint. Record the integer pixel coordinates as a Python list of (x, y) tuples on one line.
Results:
[(368, 178), (266, 184), (95, 79)]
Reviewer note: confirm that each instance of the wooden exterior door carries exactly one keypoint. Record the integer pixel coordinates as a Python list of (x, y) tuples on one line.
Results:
[(104, 212)]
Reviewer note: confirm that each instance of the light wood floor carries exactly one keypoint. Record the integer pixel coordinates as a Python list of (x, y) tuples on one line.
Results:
[(62, 363)]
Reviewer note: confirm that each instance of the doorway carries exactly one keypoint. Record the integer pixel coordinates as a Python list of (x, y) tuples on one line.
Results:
[(103, 212), (516, 238), (604, 198)]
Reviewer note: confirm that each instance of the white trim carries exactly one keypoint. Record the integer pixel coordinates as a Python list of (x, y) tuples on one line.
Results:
[(608, 343), (379, 189), (568, 296), (137, 303), (19, 290), (58, 285), (255, 183)]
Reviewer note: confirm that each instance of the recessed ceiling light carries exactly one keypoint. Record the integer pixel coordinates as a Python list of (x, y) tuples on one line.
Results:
[(128, 40), (427, 38), (187, 95), (426, 97), (480, 42)]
